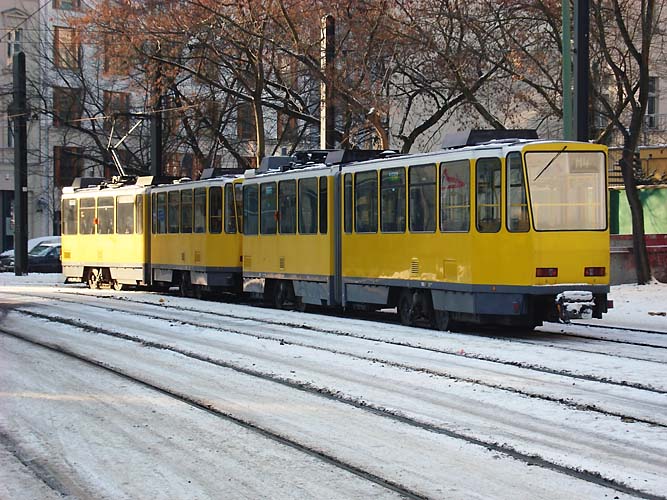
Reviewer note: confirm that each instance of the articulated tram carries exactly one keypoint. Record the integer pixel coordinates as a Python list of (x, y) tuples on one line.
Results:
[(510, 231)]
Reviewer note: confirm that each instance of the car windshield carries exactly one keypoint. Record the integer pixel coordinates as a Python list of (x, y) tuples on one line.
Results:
[(40, 250)]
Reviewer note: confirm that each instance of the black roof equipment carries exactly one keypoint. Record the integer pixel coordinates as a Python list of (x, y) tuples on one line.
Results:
[(476, 137)]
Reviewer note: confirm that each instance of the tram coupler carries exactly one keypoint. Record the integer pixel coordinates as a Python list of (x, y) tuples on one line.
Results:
[(575, 305)]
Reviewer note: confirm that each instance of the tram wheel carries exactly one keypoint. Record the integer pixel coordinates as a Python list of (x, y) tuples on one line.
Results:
[(280, 295), (93, 278), (185, 287), (404, 308), (441, 320), (117, 285), (300, 305)]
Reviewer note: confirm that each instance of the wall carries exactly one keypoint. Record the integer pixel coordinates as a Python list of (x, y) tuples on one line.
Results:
[(654, 201)]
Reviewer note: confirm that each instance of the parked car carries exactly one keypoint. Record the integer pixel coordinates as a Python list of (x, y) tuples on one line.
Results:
[(43, 258), (32, 243)]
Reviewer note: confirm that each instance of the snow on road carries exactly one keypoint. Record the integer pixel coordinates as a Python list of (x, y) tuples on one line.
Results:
[(445, 415)]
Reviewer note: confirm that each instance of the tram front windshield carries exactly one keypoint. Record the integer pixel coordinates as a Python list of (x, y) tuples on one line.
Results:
[(567, 190)]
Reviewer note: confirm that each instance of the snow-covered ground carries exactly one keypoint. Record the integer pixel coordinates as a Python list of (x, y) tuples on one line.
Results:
[(635, 306), (567, 411)]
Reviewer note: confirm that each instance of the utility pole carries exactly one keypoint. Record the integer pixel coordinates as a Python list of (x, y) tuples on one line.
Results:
[(567, 72), (327, 109), (581, 69), (18, 110), (156, 138)]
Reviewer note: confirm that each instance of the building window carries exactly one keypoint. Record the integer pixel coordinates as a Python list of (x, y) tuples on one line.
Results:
[(652, 103), (67, 105), (66, 48), (245, 122), (117, 106), (67, 4), (14, 39), (115, 63), (288, 129), (68, 164)]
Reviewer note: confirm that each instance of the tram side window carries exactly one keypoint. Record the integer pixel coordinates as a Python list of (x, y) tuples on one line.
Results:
[(125, 214), (200, 210), (366, 202), (488, 195), (215, 210), (348, 203), (517, 203), (139, 207), (186, 211), (230, 215), (250, 202), (87, 216), (421, 180), (455, 196), (268, 206), (392, 200), (238, 200), (308, 198), (70, 209), (287, 207), (173, 211), (160, 213), (323, 205), (105, 210)]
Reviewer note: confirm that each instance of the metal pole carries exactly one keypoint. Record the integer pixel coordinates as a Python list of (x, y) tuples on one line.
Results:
[(581, 76), (156, 139), (18, 110), (327, 110), (567, 72)]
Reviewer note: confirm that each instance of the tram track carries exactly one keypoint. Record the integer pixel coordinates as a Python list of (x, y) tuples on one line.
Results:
[(228, 416), (586, 399), (530, 459), (392, 342), (385, 318)]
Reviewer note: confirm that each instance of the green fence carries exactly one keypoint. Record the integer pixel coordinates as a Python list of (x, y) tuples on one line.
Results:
[(654, 201)]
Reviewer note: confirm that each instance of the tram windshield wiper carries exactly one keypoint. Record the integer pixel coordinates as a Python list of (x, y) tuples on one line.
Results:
[(549, 164)]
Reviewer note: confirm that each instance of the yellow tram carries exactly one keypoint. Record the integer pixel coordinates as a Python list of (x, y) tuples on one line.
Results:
[(104, 232), (506, 232)]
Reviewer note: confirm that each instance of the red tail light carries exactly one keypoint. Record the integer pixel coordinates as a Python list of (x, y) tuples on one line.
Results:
[(546, 272), (595, 271)]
